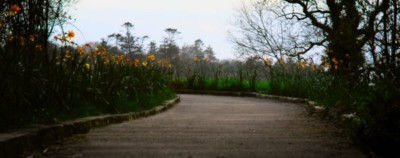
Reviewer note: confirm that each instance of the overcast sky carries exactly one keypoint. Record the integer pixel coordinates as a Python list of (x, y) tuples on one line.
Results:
[(208, 20)]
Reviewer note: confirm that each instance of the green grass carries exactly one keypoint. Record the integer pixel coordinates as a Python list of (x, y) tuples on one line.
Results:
[(224, 84), (146, 102), (125, 106)]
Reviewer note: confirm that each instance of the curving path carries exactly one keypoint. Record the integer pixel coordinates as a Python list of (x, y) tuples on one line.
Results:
[(214, 126)]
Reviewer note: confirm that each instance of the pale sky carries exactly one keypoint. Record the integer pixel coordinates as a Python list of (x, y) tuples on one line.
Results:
[(208, 20)]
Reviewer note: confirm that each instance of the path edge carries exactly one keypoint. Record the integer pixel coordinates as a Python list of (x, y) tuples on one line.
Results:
[(18, 143)]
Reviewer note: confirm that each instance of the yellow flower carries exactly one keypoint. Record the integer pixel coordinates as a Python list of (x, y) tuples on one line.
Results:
[(144, 63), (14, 10), (120, 57), (159, 61), (169, 65), (106, 61), (268, 62), (206, 59), (196, 59), (32, 38), (11, 13), (71, 34), (87, 65), (10, 37), (38, 47), (136, 62), (165, 62), (335, 63), (63, 39), (67, 54), (151, 57), (103, 51), (80, 51), (302, 64), (326, 66), (281, 61), (312, 67)]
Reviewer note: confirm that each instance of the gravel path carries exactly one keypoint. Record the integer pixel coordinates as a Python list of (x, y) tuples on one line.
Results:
[(214, 126)]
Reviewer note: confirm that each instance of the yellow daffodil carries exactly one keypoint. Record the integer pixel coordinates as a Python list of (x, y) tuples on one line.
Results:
[(312, 67), (14, 10), (10, 37), (335, 63), (71, 34), (32, 38), (67, 54), (281, 61), (268, 61), (80, 51), (144, 63), (136, 62), (151, 57), (165, 62), (38, 47), (196, 59)]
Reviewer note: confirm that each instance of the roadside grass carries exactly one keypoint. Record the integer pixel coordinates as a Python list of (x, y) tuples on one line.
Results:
[(85, 109), (221, 84), (144, 102)]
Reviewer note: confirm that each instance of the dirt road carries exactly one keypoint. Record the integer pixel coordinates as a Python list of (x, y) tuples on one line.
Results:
[(215, 126)]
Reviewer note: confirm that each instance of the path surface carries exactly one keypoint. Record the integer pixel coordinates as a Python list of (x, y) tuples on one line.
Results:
[(214, 126)]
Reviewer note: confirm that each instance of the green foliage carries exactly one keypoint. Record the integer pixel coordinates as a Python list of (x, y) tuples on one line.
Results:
[(73, 83), (221, 84)]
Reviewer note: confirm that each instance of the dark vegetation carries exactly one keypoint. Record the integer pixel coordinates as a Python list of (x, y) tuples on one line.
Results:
[(47, 81)]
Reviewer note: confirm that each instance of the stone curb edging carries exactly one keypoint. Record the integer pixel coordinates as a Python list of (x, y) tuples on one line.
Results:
[(244, 94), (311, 106), (23, 142)]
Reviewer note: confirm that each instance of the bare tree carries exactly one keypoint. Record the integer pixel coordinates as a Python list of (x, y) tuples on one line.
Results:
[(262, 33), (384, 47)]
